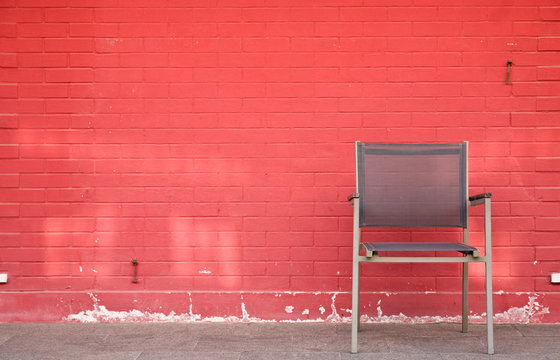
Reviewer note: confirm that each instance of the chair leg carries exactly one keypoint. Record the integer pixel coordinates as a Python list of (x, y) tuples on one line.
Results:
[(465, 313), (359, 301), (489, 308), (355, 304), (488, 264)]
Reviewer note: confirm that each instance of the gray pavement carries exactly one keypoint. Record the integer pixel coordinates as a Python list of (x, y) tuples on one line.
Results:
[(254, 341)]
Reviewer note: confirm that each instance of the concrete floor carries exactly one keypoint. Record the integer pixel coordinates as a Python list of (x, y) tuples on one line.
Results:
[(272, 341)]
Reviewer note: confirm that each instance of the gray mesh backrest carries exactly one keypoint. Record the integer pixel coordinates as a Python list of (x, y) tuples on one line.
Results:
[(412, 184)]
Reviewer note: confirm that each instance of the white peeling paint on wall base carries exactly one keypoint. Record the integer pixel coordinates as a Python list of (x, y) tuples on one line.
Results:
[(529, 313), (525, 315)]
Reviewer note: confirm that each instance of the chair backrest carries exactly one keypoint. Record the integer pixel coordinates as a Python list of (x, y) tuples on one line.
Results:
[(412, 184)]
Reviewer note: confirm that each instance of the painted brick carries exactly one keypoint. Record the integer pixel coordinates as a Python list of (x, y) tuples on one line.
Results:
[(215, 144), (536, 58), (69, 15), (412, 43), (363, 13), (549, 44), (548, 73), (33, 60), (530, 28), (513, 254), (9, 210), (316, 284), (163, 14), (491, 28), (290, 29), (265, 282), (21, 15), (412, 13), (547, 164), (183, 29), (81, 60), (392, 283), (289, 268), (69, 75), (267, 224), (8, 91), (118, 45), (548, 104), (9, 151), (42, 30), (548, 224), (90, 30), (8, 60), (314, 254), (8, 30), (539, 88), (69, 106), (541, 149), (118, 75), (547, 253), (42, 90)]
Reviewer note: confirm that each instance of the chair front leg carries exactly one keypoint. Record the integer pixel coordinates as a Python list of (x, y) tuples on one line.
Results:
[(356, 276), (488, 263), (465, 313)]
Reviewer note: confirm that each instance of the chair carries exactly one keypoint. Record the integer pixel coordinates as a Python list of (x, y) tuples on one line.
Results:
[(416, 185)]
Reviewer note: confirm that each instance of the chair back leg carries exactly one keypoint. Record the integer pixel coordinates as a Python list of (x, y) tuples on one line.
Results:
[(489, 308), (488, 255), (355, 304), (465, 314), (356, 276)]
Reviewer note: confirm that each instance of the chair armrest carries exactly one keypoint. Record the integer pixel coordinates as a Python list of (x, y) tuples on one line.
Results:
[(353, 196), (479, 198)]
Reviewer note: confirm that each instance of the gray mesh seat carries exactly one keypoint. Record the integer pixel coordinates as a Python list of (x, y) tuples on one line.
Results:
[(417, 185), (374, 248)]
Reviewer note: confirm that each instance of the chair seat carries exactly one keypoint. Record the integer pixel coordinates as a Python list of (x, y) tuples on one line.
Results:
[(414, 246)]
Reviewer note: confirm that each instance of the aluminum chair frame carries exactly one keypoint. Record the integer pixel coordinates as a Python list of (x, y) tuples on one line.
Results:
[(467, 258)]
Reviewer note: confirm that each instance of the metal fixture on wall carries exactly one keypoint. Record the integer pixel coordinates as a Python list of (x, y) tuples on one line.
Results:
[(509, 64), (135, 264)]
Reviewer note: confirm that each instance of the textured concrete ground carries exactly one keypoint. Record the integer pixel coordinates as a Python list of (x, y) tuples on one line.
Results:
[(272, 341)]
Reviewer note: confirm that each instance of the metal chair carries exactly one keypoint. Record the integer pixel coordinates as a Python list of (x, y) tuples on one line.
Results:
[(416, 185)]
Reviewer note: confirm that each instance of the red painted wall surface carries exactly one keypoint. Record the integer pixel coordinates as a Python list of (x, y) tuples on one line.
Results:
[(213, 141)]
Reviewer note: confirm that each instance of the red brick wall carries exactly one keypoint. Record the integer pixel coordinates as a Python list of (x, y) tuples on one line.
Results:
[(212, 140)]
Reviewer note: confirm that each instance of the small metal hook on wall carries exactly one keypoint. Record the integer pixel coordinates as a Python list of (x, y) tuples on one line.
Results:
[(509, 64), (135, 264)]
